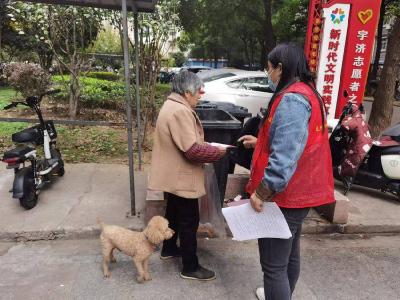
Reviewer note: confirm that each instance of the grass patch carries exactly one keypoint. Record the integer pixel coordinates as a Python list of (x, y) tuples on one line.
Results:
[(92, 144), (6, 95), (6, 130), (11, 127), (78, 144)]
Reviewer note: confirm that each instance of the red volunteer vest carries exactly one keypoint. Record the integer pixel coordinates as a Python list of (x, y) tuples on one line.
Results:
[(312, 183)]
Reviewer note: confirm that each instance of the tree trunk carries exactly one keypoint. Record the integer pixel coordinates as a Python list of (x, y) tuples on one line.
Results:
[(1, 30), (252, 47), (375, 67), (45, 58), (3, 11), (263, 58), (269, 41), (46, 55), (382, 107), (75, 91), (246, 50)]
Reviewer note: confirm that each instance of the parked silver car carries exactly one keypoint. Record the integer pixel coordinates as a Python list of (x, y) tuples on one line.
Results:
[(244, 88)]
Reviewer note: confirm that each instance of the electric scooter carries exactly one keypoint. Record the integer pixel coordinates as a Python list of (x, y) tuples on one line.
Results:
[(378, 162), (35, 171)]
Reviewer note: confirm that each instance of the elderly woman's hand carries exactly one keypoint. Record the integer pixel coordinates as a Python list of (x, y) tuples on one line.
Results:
[(249, 141), (222, 150)]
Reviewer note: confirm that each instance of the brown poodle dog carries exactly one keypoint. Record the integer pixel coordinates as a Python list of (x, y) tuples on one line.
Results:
[(139, 245)]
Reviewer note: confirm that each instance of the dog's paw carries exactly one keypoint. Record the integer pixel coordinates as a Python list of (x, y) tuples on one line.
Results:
[(107, 275), (140, 279), (147, 277)]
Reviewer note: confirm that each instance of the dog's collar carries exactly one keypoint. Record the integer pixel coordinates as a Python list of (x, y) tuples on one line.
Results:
[(150, 242)]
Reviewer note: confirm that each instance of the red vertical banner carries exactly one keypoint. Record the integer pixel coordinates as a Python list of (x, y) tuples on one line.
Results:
[(364, 20), (313, 28), (334, 26)]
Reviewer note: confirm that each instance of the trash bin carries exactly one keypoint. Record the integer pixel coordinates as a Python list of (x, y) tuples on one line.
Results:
[(239, 112), (220, 127), (241, 155)]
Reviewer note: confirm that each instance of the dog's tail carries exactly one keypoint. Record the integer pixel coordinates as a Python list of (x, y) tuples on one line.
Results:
[(101, 223)]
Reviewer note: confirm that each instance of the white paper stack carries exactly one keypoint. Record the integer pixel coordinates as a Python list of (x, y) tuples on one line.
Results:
[(222, 145), (247, 224)]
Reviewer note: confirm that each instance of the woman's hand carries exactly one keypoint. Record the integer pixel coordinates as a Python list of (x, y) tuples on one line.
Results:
[(249, 141), (256, 203)]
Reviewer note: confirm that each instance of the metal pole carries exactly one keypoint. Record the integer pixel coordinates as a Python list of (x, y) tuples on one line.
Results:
[(128, 107), (139, 141)]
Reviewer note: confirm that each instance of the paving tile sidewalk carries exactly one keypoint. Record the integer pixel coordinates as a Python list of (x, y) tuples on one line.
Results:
[(69, 207)]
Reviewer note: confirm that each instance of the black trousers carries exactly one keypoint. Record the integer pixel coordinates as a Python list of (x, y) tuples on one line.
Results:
[(280, 259), (183, 216)]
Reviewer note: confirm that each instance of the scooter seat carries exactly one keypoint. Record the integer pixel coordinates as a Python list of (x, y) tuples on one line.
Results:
[(28, 135), (17, 152), (391, 150)]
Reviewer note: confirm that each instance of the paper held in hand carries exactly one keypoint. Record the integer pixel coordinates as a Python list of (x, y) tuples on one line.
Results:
[(247, 224), (222, 145)]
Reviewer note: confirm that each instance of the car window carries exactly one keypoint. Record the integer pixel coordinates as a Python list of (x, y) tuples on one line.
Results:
[(235, 84), (259, 84), (217, 76), (197, 70)]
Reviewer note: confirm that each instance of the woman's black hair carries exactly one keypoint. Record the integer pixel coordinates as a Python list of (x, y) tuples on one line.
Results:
[(294, 68)]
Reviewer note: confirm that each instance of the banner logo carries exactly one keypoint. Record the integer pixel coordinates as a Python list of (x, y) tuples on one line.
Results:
[(365, 16), (338, 16)]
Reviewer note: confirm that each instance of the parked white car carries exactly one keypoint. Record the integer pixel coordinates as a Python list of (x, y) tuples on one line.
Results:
[(244, 88), (197, 69)]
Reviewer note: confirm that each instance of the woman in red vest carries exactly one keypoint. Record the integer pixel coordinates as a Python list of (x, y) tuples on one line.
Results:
[(291, 164)]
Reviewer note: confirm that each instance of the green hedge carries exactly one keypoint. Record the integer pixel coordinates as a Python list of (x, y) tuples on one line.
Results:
[(162, 91), (98, 93), (103, 75), (95, 92)]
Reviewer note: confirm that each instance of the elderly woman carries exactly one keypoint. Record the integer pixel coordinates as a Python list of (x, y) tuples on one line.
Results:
[(179, 153)]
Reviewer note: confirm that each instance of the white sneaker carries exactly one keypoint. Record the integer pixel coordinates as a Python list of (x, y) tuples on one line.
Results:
[(260, 293)]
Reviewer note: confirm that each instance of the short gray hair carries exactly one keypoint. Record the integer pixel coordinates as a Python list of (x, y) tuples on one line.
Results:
[(186, 81)]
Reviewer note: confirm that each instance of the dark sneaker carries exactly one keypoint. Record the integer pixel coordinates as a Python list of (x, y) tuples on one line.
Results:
[(171, 254), (200, 274)]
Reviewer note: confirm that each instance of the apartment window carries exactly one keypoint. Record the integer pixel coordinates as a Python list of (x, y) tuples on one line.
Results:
[(384, 45)]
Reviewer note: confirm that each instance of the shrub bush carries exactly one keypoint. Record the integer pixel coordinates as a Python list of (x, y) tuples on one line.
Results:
[(98, 93), (162, 92), (103, 75), (27, 78), (95, 92)]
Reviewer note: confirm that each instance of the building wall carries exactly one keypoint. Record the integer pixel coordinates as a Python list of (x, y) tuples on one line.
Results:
[(385, 34)]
